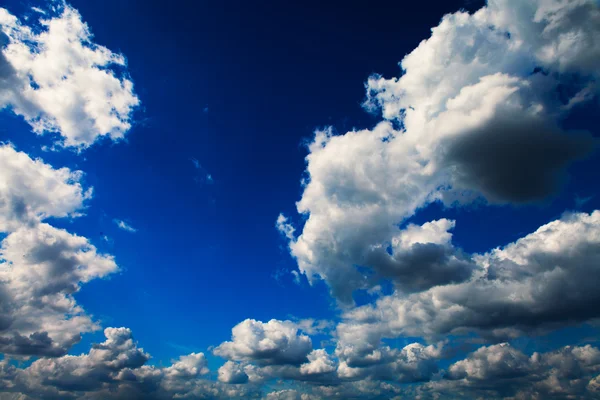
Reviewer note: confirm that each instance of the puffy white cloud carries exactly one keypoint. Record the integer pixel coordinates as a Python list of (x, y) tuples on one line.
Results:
[(115, 369), (60, 81), (478, 112), (502, 371), (31, 190), (319, 362), (359, 360), (85, 372), (41, 268), (543, 280), (266, 343)]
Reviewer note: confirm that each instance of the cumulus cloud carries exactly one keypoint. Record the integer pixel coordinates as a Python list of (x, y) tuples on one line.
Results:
[(232, 372), (319, 362), (266, 343), (503, 371), (60, 81), (31, 190), (544, 280), (361, 360), (477, 110), (41, 268), (421, 257), (115, 369)]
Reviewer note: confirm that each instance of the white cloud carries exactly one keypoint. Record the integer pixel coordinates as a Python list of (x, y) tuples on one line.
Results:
[(319, 362), (60, 81), (266, 343), (232, 372), (543, 280), (31, 190), (116, 369), (284, 227), (476, 118), (508, 373), (124, 226), (41, 268)]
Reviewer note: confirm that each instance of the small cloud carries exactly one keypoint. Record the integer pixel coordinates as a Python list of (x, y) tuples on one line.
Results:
[(124, 225), (205, 110), (285, 228), (38, 10), (296, 277)]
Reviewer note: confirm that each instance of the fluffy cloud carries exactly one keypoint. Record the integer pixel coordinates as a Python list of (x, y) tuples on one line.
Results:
[(501, 371), (421, 257), (115, 369), (41, 268), (477, 110), (543, 280), (232, 372), (319, 362), (359, 360), (31, 190), (60, 81), (266, 343)]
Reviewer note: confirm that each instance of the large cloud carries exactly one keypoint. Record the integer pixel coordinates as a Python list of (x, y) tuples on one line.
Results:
[(502, 371), (31, 190), (41, 268), (115, 369), (476, 111), (60, 81), (544, 280)]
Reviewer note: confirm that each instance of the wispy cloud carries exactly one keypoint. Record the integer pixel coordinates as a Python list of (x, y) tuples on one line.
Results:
[(203, 175), (124, 225), (38, 10)]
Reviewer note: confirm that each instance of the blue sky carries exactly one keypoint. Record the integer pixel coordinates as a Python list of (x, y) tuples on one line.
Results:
[(243, 112)]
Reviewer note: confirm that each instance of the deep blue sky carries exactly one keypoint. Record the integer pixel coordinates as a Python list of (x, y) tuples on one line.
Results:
[(206, 255)]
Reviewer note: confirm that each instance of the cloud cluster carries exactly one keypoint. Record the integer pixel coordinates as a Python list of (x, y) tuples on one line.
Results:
[(115, 369), (502, 371), (544, 280), (476, 112), (60, 81), (42, 267)]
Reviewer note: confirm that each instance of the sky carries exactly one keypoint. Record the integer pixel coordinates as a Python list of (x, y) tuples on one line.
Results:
[(299, 200)]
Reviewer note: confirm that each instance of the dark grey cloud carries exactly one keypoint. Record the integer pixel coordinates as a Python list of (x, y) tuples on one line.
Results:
[(422, 266), (515, 158)]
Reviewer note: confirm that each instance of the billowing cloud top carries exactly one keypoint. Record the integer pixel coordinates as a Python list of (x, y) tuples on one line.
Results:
[(60, 81), (476, 112)]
